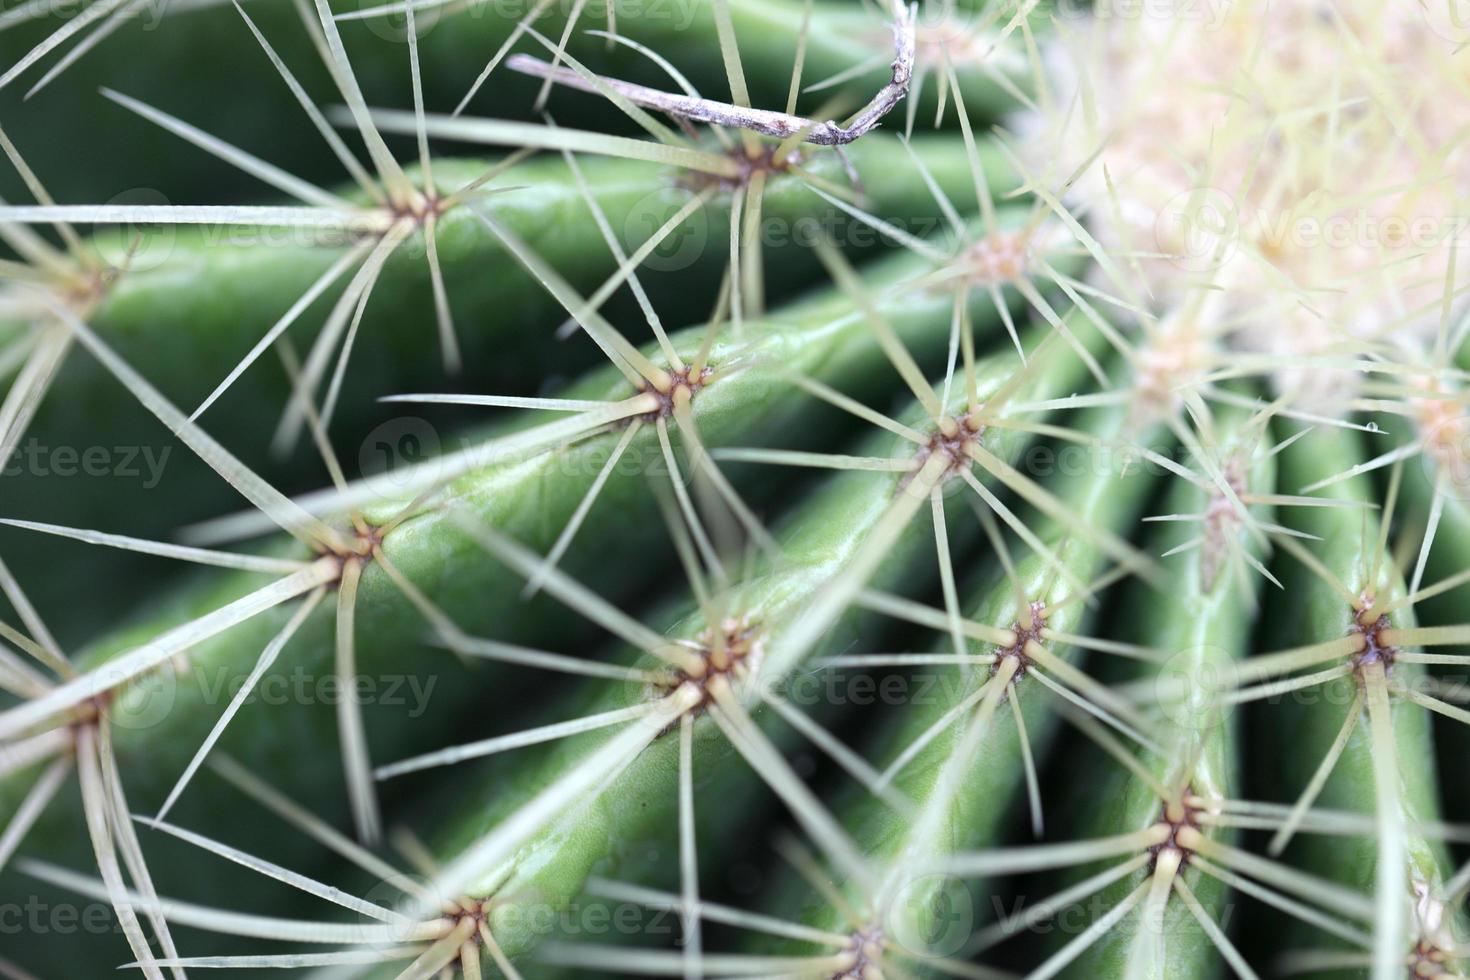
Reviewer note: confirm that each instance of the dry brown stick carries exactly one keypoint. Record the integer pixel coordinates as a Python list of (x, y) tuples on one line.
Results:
[(781, 125)]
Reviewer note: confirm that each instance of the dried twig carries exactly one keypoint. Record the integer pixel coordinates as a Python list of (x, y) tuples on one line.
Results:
[(765, 121)]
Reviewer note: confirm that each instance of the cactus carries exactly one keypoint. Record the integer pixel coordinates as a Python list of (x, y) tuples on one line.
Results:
[(1043, 554)]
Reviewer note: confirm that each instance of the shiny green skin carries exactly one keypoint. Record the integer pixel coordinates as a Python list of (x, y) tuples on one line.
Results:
[(1204, 626), (1450, 555), (189, 313), (617, 551), (1318, 614), (933, 914), (639, 813)]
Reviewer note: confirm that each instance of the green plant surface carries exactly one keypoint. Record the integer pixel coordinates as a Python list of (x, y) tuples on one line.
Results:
[(1130, 346), (1435, 491), (1385, 765), (958, 758), (550, 866), (214, 301), (823, 540), (530, 495), (1200, 626)]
